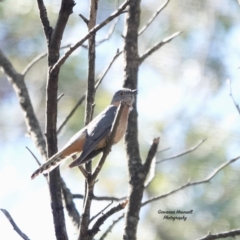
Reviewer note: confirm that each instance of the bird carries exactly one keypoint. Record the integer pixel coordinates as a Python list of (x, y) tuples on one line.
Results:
[(92, 139)]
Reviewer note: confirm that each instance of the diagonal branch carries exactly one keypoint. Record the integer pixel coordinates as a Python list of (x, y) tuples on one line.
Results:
[(153, 17), (89, 34), (232, 233), (206, 180), (44, 18), (15, 227), (183, 153), (102, 219), (37, 59), (99, 80), (70, 205), (92, 218), (19, 86), (231, 95), (151, 153), (97, 198), (111, 227), (157, 46)]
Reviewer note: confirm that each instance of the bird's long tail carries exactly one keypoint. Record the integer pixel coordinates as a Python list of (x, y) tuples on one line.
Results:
[(48, 166)]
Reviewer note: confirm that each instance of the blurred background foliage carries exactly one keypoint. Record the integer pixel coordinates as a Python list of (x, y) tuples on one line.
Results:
[(183, 98)]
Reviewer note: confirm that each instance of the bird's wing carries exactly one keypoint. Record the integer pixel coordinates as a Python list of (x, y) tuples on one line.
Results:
[(97, 130)]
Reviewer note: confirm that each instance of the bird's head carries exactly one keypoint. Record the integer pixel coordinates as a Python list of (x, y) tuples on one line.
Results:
[(125, 95)]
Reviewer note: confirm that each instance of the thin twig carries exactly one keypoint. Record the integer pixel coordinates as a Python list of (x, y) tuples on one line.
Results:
[(89, 34), (153, 17), (111, 227), (110, 32), (214, 172), (80, 101), (163, 150), (232, 233), (70, 205), (101, 220), (84, 19), (39, 164), (38, 58), (97, 198), (15, 227), (231, 95), (60, 96), (183, 153), (157, 46), (99, 80), (93, 217)]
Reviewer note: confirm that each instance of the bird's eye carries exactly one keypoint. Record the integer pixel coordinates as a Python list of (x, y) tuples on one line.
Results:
[(121, 93)]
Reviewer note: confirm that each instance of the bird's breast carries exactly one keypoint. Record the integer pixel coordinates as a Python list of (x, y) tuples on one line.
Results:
[(122, 125)]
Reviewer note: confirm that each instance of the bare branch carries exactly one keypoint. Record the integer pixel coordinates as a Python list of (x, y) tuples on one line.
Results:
[(183, 153), (89, 34), (151, 153), (15, 227), (153, 17), (70, 205), (101, 220), (232, 233), (97, 198), (18, 83), (157, 46), (60, 96), (84, 19), (38, 58), (206, 180), (231, 95), (110, 32), (92, 218), (99, 80), (111, 227), (39, 164), (80, 101), (44, 18)]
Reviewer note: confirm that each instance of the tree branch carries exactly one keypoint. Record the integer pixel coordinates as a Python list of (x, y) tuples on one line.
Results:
[(183, 153), (208, 179), (156, 47), (231, 95), (37, 59), (54, 38), (151, 153), (96, 227), (232, 233), (153, 17), (111, 227), (98, 198), (18, 83), (44, 18), (15, 227), (99, 80), (89, 34), (92, 218), (70, 205)]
